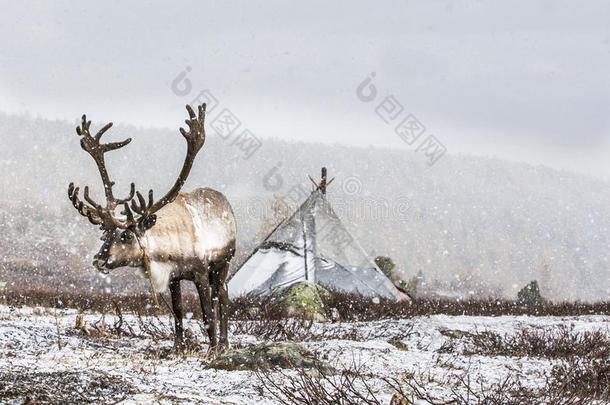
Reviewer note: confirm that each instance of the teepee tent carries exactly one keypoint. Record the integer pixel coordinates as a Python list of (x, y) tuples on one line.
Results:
[(311, 245)]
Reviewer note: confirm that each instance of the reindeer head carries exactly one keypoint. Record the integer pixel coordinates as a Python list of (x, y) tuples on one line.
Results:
[(122, 235)]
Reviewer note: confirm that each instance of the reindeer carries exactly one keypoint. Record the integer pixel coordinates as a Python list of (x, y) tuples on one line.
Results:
[(182, 236)]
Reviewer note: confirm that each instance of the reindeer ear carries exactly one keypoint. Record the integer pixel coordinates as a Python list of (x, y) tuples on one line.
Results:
[(149, 222)]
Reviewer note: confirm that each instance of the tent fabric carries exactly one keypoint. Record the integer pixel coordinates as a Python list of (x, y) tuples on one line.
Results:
[(311, 245)]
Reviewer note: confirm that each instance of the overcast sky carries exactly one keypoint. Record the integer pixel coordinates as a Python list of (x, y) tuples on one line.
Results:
[(527, 81)]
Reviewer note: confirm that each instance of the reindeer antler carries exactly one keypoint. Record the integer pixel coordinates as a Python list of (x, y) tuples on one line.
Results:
[(195, 138), (84, 210), (97, 214)]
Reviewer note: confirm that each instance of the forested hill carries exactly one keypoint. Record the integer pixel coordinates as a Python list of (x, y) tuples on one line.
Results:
[(477, 224)]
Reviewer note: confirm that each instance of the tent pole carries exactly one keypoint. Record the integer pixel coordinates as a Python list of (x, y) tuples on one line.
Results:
[(323, 181), (305, 248)]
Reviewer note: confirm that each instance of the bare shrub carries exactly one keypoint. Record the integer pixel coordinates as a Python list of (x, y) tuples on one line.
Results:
[(464, 391), (65, 387), (148, 327), (562, 342), (354, 307), (319, 386), (301, 330), (155, 328), (587, 378), (353, 386), (255, 308), (86, 301), (448, 346), (348, 306), (291, 329)]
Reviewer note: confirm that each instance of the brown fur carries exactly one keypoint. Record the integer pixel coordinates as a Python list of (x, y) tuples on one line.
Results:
[(193, 239)]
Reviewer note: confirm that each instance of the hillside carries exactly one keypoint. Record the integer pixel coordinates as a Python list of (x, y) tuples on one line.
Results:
[(476, 224)]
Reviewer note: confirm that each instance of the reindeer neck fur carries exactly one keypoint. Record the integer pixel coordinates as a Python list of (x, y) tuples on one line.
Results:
[(192, 233)]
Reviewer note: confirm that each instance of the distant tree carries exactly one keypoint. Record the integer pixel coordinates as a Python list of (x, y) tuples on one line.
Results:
[(386, 265), (530, 294)]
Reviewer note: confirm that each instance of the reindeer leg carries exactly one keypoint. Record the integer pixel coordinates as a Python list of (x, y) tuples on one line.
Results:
[(223, 295), (202, 282), (174, 288), (214, 291)]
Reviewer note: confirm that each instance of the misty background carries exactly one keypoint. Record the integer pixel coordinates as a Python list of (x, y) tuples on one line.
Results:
[(518, 94)]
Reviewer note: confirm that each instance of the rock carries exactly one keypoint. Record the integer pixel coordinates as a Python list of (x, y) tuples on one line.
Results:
[(266, 355), (452, 333), (398, 343)]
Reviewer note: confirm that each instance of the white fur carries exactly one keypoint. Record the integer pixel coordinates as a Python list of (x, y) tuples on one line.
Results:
[(211, 236), (160, 274)]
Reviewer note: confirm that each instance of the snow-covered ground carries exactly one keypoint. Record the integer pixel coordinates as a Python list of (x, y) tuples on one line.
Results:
[(39, 343)]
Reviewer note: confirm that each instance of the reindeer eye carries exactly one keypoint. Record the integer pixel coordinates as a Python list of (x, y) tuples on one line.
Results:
[(126, 236)]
